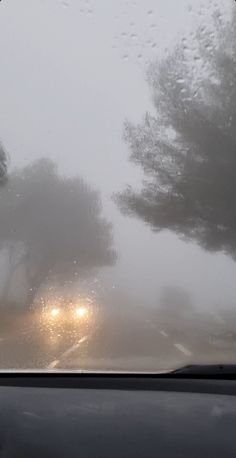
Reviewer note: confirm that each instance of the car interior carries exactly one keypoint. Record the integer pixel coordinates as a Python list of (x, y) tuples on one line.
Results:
[(102, 415)]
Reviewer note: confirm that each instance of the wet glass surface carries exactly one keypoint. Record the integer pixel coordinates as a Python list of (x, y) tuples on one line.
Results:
[(117, 184)]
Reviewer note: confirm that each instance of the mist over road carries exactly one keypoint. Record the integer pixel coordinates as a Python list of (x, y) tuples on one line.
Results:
[(117, 339)]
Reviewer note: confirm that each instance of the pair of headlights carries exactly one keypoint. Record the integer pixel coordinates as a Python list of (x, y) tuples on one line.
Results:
[(79, 312)]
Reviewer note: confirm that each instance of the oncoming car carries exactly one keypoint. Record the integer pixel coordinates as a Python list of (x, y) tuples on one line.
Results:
[(65, 312)]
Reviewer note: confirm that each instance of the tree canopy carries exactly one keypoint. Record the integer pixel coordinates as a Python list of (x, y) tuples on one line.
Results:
[(53, 224), (187, 146)]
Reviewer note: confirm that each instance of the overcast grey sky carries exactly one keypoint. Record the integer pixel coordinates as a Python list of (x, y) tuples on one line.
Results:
[(71, 72)]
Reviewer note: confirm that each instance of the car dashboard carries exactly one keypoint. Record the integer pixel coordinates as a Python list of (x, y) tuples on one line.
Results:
[(116, 416)]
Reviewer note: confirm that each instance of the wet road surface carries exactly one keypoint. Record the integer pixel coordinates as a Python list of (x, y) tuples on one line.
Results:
[(119, 340)]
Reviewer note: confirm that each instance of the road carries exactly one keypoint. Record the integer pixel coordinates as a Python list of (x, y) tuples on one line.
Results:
[(111, 340)]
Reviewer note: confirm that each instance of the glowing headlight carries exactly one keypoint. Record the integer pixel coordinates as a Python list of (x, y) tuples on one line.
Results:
[(55, 312), (81, 312)]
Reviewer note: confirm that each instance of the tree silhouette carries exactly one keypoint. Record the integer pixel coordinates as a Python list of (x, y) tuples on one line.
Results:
[(3, 165), (187, 148), (52, 225)]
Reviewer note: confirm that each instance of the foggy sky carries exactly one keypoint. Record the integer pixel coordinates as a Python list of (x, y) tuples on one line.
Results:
[(71, 72)]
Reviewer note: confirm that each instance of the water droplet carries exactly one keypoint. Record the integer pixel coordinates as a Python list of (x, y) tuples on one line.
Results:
[(230, 121)]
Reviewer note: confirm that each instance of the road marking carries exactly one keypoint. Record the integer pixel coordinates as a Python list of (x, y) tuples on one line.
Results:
[(184, 350), (66, 353), (74, 347), (53, 364), (163, 333)]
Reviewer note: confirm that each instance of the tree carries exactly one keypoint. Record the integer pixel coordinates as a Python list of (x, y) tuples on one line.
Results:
[(187, 148), (52, 225), (3, 165)]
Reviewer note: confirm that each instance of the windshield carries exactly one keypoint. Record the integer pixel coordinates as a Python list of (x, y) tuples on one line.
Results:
[(117, 184)]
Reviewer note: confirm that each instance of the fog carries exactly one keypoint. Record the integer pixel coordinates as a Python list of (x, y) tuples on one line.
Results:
[(71, 73)]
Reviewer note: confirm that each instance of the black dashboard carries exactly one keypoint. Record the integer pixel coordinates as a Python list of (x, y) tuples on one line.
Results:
[(109, 416)]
